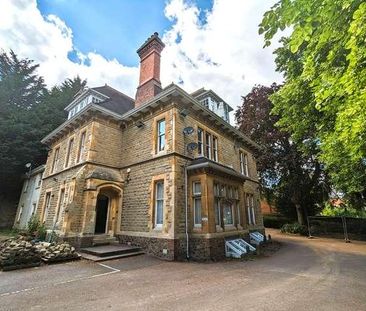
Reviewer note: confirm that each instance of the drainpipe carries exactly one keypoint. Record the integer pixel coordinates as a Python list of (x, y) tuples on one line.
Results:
[(186, 202)]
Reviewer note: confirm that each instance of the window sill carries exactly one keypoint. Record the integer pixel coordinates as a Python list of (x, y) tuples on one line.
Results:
[(219, 229), (230, 228)]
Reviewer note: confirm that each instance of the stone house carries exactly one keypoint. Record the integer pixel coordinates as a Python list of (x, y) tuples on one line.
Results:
[(165, 171), (29, 197)]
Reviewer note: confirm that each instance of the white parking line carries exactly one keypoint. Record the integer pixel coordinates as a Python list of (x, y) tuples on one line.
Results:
[(114, 270)]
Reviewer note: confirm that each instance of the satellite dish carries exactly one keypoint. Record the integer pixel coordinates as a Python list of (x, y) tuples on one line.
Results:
[(188, 130), (192, 146)]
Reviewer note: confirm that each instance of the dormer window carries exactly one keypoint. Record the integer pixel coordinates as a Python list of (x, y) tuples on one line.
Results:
[(91, 99)]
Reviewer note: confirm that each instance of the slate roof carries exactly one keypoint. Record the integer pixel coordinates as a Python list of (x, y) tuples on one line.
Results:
[(117, 102)]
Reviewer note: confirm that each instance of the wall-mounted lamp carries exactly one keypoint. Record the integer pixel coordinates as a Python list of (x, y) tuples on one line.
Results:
[(128, 178), (139, 124)]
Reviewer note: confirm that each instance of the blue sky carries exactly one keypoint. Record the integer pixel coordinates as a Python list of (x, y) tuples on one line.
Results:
[(208, 43), (113, 28)]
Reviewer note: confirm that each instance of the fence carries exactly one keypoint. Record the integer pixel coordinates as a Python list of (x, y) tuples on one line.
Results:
[(347, 228)]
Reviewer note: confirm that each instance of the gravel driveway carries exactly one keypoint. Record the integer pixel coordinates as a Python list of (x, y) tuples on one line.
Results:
[(319, 274)]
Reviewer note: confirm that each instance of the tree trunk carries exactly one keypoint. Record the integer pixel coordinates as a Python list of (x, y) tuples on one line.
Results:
[(300, 214)]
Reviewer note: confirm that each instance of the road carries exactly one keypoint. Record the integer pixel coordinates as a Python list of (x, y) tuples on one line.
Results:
[(319, 274)]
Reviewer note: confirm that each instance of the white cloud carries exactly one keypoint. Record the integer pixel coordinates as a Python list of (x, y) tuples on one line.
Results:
[(48, 40), (225, 54)]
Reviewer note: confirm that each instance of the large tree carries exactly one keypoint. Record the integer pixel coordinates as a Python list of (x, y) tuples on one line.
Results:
[(322, 101), (28, 112), (294, 181)]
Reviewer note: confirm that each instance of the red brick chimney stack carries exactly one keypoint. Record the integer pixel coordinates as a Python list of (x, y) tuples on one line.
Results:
[(149, 84)]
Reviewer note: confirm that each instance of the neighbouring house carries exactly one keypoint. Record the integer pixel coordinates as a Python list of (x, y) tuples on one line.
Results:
[(267, 208), (29, 197), (165, 171)]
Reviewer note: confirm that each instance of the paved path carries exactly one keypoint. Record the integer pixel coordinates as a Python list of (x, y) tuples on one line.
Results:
[(317, 274)]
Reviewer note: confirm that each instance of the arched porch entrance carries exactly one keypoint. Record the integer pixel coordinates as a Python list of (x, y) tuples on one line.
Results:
[(107, 210), (101, 217)]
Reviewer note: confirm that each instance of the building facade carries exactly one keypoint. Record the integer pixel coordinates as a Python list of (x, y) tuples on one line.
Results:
[(29, 197), (165, 171)]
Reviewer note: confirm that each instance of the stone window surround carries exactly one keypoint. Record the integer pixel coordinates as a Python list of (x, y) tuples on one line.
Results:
[(196, 196), (250, 208), (56, 158), (152, 212), (166, 116), (70, 146), (60, 205), (46, 204), (81, 146), (209, 150), (244, 164)]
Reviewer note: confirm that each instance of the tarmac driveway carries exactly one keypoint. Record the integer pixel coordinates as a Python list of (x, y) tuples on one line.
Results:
[(319, 274)]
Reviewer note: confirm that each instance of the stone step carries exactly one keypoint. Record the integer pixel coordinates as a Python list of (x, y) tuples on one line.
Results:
[(104, 240), (110, 250), (98, 259)]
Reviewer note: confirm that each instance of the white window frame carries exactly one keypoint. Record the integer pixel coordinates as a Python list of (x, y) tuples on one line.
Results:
[(215, 148), (197, 196), (244, 169), (200, 133), (161, 138), (157, 200), (208, 145), (231, 207)]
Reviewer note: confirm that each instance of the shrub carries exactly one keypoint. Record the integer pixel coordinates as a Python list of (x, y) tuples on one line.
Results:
[(36, 229), (294, 228), (342, 210), (274, 221)]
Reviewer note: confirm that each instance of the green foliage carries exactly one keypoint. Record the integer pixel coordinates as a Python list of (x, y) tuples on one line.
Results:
[(330, 210), (273, 221), (294, 228), (36, 229), (291, 179), (322, 101), (28, 112)]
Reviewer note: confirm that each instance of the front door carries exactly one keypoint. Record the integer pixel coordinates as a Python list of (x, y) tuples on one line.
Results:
[(101, 214)]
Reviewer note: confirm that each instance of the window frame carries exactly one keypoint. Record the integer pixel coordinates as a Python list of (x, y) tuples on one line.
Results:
[(197, 196), (244, 165), (215, 148), (200, 133), (70, 146), (60, 205), (160, 137), (156, 205), (56, 158), (81, 146), (208, 145), (46, 206)]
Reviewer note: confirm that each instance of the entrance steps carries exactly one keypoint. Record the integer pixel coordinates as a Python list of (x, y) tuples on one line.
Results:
[(109, 252), (104, 239)]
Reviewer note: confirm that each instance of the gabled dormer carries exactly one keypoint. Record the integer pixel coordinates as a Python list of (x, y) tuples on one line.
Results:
[(215, 103), (84, 98)]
